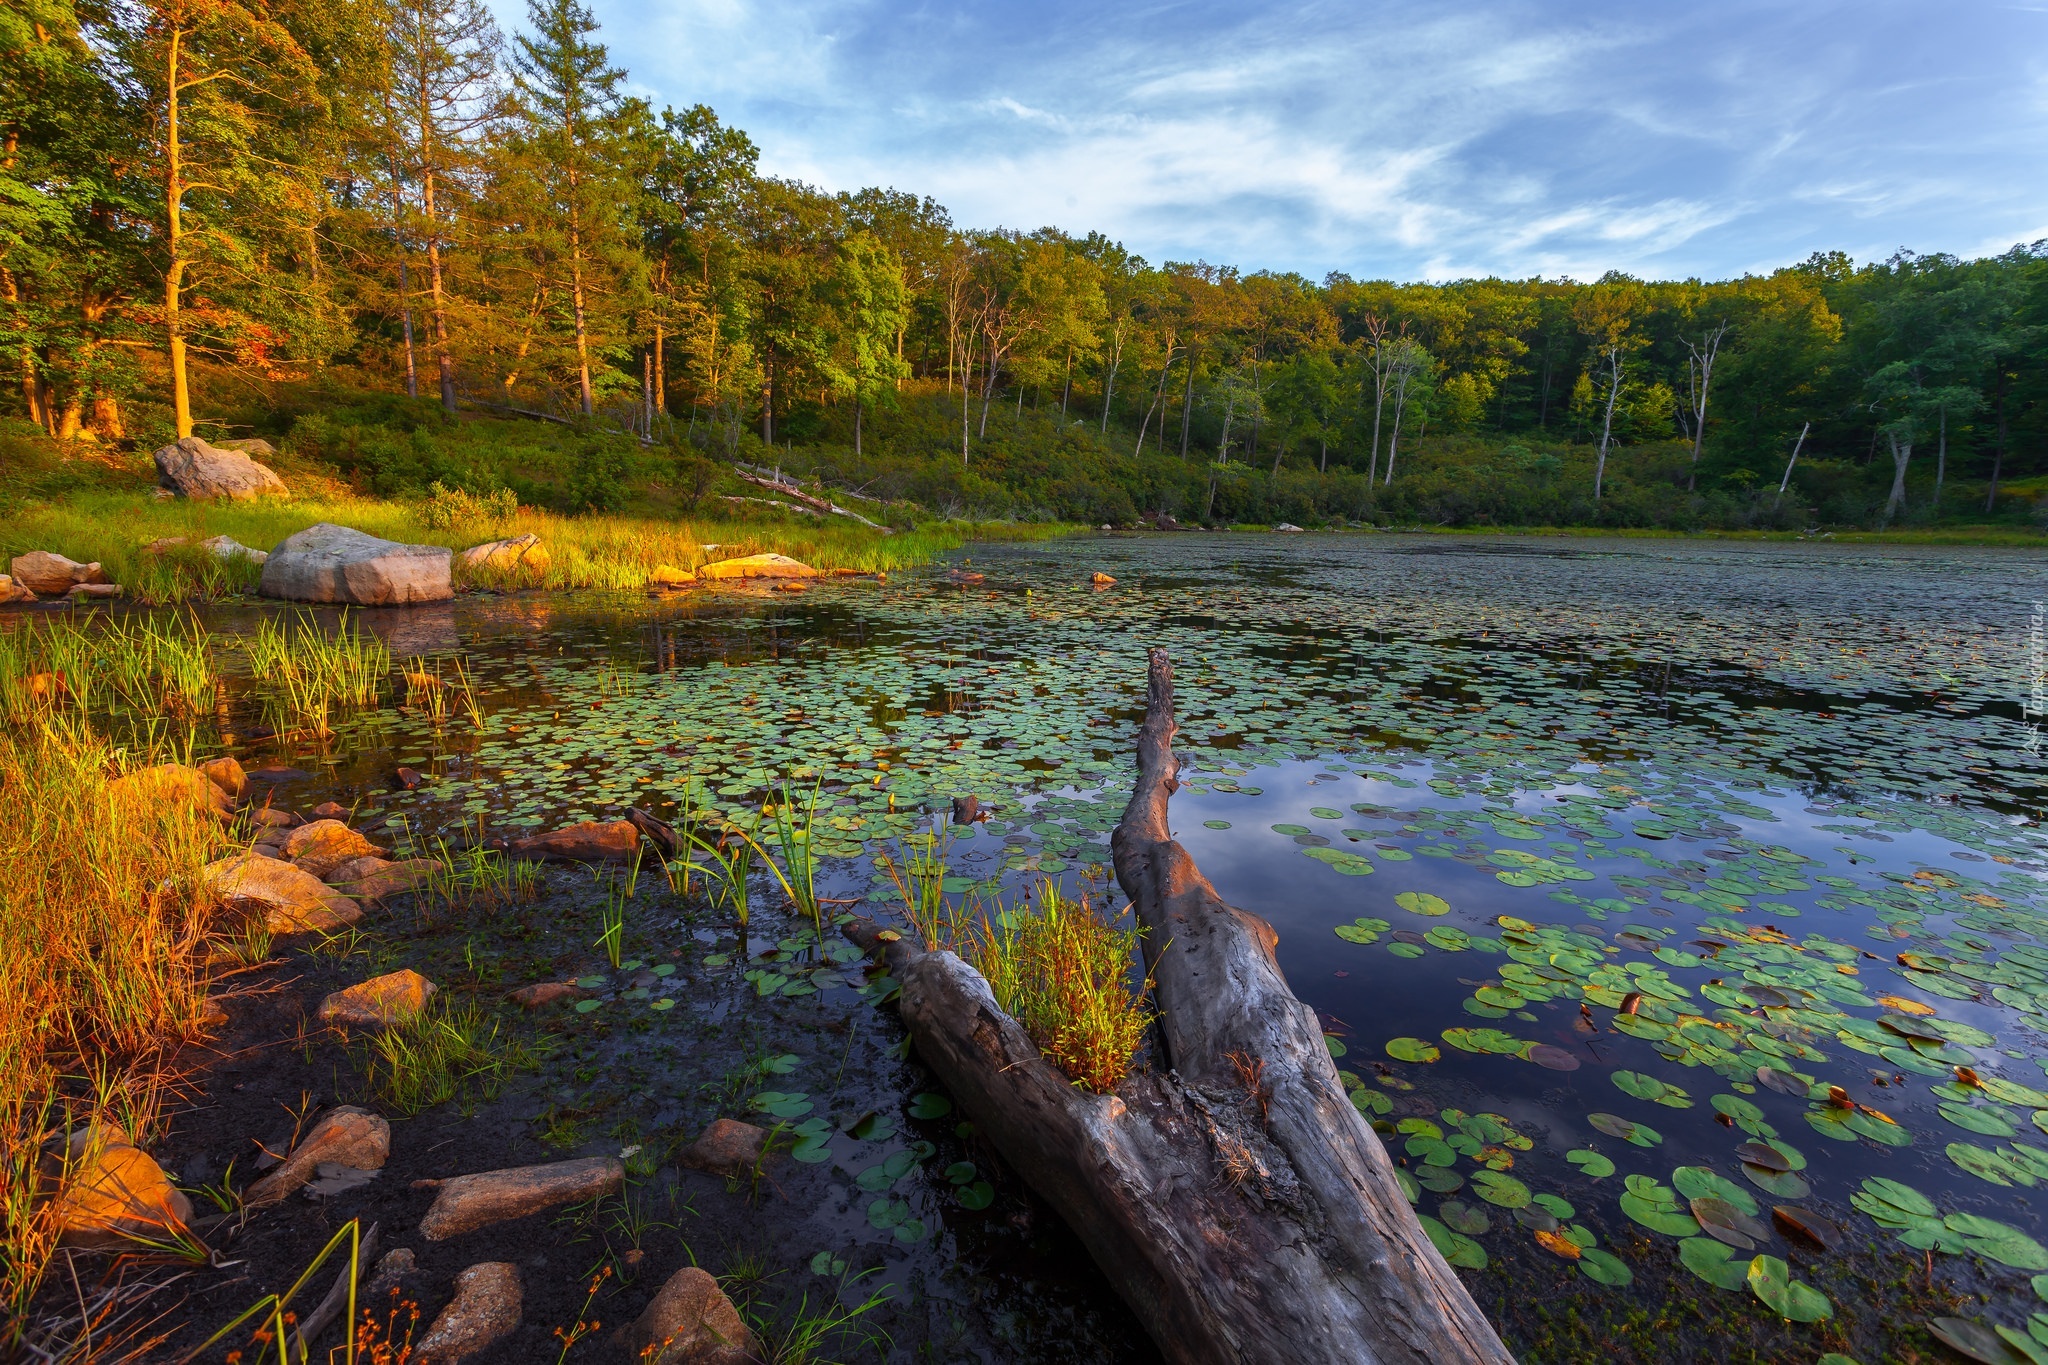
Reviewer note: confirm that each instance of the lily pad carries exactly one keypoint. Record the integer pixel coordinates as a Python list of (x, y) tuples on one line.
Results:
[(1412, 1050), (1422, 903), (1613, 1125), (1590, 1163), (1770, 1280), (1713, 1262)]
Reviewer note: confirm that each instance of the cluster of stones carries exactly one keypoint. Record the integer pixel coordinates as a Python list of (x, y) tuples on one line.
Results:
[(315, 875)]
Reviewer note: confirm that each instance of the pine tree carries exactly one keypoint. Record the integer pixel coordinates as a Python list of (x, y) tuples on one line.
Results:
[(577, 140)]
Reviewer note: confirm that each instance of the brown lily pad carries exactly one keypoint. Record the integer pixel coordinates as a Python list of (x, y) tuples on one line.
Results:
[(1757, 1154), (1553, 1057), (1806, 1227), (1723, 1222)]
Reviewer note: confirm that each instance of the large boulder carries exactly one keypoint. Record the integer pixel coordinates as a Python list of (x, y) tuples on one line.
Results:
[(758, 566), (11, 591), (290, 901), (52, 575), (329, 563), (191, 468)]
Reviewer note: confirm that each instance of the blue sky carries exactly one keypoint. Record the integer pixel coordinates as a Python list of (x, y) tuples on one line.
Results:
[(1398, 140)]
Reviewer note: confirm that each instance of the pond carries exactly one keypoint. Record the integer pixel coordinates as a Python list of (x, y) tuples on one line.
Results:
[(1674, 909)]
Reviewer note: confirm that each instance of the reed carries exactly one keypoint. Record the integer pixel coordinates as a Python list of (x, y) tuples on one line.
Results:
[(303, 672), (104, 944), (1064, 973), (444, 1054)]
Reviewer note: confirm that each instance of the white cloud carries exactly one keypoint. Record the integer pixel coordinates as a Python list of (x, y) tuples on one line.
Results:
[(1398, 138)]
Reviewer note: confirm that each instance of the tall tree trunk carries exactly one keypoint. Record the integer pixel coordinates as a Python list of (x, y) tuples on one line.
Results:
[(31, 390), (1108, 388), (1940, 462), (1796, 446), (174, 244), (412, 373), (1379, 403), (647, 391), (1067, 389), (576, 284), (768, 400), (1902, 455), (1607, 421), (1187, 404), (966, 382), (1998, 450), (661, 374), (444, 362), (1323, 460), (856, 425)]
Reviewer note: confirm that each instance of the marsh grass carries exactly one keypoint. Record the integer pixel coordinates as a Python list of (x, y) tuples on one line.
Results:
[(789, 830), (615, 552), (447, 1052), (918, 869), (51, 664), (815, 1334), (104, 941), (1064, 973), (276, 1337), (303, 671)]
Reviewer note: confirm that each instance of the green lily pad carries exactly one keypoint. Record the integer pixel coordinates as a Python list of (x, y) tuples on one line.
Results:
[(1412, 1050), (1714, 1262), (1422, 903), (1604, 1267), (1770, 1280), (1590, 1163), (1639, 1134)]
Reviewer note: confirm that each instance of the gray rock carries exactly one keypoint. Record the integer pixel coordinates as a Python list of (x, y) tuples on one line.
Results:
[(469, 1202), (251, 445), (329, 563), (392, 1269), (191, 468), (487, 1308)]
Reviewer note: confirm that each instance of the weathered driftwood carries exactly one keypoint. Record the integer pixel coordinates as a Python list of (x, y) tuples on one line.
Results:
[(1231, 1192)]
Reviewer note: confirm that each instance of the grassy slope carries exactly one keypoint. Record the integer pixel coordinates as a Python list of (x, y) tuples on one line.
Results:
[(92, 505)]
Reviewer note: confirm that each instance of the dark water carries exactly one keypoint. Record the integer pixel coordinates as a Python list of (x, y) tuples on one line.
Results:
[(1779, 798)]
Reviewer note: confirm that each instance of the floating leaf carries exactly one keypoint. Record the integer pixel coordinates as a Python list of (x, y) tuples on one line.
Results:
[(1978, 1119), (1650, 1088), (1412, 1050), (1553, 1058), (1697, 1182), (1770, 1280), (1557, 1244), (930, 1106), (1590, 1163), (1614, 1126), (1713, 1262), (1500, 1189), (1998, 1241), (1463, 1218), (1605, 1267), (1724, 1222), (1422, 903), (1807, 1226), (1973, 1340)]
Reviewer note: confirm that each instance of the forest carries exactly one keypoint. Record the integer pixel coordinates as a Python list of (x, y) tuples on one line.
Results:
[(226, 216)]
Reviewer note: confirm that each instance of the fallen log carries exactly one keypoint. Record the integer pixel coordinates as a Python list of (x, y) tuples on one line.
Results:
[(1230, 1192)]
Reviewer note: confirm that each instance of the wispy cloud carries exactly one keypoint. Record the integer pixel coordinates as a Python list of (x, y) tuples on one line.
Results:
[(1399, 138)]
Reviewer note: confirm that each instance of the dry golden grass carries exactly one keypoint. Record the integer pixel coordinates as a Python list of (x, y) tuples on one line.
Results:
[(589, 551), (1064, 973), (103, 946)]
